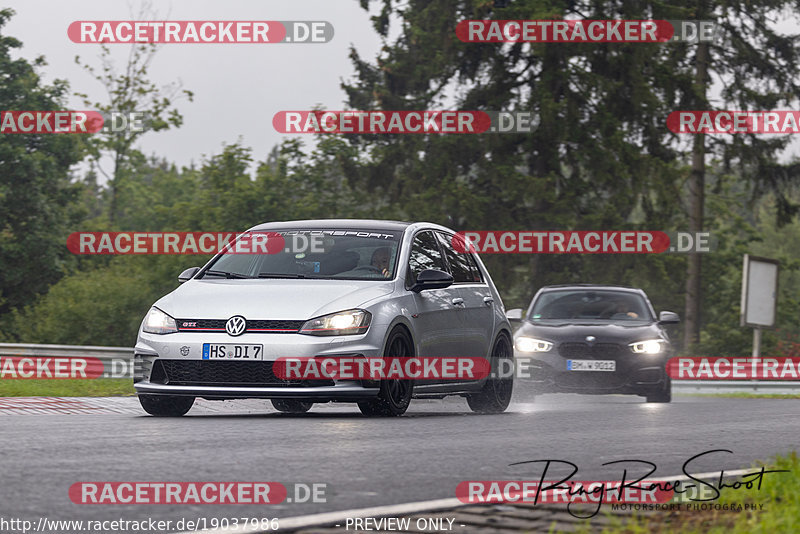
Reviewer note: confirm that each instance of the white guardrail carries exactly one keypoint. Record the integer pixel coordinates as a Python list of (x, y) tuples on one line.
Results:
[(118, 361)]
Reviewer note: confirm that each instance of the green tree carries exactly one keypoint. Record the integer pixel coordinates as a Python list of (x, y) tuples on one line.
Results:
[(756, 68), (98, 306), (601, 156), (130, 91), (36, 194)]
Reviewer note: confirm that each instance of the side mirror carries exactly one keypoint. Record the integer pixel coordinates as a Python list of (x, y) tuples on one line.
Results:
[(432, 279), (188, 274), (668, 317), (514, 315)]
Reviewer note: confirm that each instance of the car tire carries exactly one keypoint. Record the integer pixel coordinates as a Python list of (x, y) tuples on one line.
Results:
[(166, 405), (291, 405), (394, 395), (495, 396), (663, 396)]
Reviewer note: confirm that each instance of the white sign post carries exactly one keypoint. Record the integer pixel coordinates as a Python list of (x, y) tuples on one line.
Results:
[(759, 296)]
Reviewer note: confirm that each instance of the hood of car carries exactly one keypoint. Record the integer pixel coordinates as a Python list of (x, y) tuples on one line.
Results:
[(268, 299), (561, 332)]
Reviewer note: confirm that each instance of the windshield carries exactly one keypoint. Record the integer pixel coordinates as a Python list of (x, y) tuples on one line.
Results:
[(590, 305), (324, 254)]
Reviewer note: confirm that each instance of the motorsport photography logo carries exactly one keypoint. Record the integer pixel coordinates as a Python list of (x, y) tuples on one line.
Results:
[(630, 492)]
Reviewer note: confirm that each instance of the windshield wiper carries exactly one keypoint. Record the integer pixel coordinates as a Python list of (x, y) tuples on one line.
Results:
[(296, 276), (226, 274)]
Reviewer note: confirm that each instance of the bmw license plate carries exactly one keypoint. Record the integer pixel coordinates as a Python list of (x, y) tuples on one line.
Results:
[(591, 365), (225, 351)]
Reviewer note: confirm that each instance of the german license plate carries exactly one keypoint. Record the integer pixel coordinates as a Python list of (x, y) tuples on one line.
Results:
[(225, 351), (591, 365)]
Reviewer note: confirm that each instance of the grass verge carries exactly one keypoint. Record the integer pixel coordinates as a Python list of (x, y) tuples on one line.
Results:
[(98, 387)]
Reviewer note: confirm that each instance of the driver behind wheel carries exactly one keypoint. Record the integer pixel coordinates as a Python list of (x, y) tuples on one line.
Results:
[(619, 309), (380, 260)]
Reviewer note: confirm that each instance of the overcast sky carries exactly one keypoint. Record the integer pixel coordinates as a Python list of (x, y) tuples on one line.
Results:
[(237, 87)]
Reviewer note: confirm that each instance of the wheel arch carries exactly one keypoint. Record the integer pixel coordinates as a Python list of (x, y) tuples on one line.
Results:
[(400, 322)]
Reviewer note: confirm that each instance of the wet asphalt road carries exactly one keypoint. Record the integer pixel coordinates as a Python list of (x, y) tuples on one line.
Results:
[(370, 462)]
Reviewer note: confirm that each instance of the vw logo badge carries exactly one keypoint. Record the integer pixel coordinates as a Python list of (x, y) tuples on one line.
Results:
[(236, 325), (591, 339)]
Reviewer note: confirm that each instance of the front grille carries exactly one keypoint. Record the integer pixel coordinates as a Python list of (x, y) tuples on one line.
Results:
[(222, 373), (274, 326), (599, 351), (590, 380), (277, 326)]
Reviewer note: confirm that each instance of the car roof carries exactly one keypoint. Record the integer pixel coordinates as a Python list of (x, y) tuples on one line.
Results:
[(625, 289), (352, 224)]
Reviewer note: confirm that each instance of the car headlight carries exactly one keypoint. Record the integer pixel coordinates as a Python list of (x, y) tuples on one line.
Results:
[(531, 344), (650, 346), (158, 322), (343, 323)]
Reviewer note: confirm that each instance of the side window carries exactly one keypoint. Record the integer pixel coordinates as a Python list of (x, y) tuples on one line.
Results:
[(459, 265), (462, 265), (473, 265), (425, 254)]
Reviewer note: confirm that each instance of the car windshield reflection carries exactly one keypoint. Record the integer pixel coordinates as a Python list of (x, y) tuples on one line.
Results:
[(593, 306), (318, 254)]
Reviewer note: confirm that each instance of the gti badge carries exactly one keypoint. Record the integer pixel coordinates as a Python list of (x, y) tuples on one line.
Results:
[(590, 340), (235, 325)]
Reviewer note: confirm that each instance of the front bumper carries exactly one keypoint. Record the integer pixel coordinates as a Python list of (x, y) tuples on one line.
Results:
[(172, 364), (634, 374), (340, 392)]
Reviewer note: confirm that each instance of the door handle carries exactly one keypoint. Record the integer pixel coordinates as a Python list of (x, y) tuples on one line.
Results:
[(458, 301), (488, 300)]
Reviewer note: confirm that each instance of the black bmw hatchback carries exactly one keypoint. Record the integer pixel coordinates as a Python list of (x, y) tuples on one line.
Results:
[(593, 339)]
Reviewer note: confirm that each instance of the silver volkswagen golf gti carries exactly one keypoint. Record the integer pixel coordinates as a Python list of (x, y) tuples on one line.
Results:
[(334, 288)]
